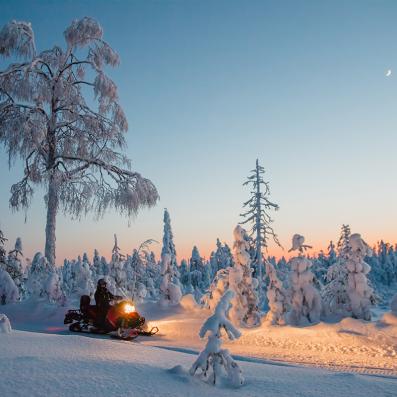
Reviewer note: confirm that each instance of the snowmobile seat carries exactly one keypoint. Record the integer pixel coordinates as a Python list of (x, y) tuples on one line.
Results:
[(86, 309)]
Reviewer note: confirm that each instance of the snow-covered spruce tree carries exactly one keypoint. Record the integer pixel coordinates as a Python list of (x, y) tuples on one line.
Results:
[(39, 272), (54, 289), (168, 244), (152, 276), (257, 215), (219, 285), (170, 288), (305, 299), (170, 292), (360, 294), (343, 245), (196, 261), (245, 309), (68, 143), (139, 282), (221, 258), (237, 278), (387, 272), (96, 265), (135, 272), (116, 269), (334, 294), (8, 289), (213, 361), (82, 278), (206, 276), (323, 262), (2, 251), (14, 266), (331, 254), (185, 278), (67, 277), (277, 297), (200, 272)]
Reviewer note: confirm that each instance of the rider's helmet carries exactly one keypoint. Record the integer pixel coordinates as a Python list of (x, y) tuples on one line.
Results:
[(102, 283)]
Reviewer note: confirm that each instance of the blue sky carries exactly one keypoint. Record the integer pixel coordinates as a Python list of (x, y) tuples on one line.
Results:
[(209, 86)]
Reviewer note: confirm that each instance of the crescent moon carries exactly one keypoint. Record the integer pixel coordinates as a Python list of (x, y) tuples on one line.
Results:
[(388, 73)]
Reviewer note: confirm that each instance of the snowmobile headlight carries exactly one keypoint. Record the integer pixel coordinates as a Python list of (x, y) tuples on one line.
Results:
[(128, 308)]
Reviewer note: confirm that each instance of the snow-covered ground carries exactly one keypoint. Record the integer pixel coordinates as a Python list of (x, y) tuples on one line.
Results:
[(350, 345), (40, 357), (40, 364)]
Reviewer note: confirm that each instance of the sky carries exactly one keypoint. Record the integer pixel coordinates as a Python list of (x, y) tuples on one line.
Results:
[(210, 86)]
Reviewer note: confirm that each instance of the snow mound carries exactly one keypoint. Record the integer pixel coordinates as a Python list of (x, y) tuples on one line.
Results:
[(5, 325), (189, 303), (389, 319)]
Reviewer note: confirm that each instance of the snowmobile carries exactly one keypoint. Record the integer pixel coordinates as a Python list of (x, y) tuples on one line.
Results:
[(122, 320)]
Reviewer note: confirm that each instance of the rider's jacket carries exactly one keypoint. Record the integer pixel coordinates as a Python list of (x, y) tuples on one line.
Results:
[(102, 299)]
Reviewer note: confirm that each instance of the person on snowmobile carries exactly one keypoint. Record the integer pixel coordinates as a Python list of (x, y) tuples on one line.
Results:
[(103, 297)]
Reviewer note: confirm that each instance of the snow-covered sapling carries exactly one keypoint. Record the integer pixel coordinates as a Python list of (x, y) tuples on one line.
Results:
[(213, 361), (305, 299), (5, 325)]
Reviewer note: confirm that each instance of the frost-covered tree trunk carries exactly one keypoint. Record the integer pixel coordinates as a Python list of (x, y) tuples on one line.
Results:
[(52, 209), (67, 144)]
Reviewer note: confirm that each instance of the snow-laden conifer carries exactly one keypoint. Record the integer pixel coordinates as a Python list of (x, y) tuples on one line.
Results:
[(170, 291), (9, 292), (305, 299), (38, 273), (82, 278), (245, 309), (277, 297), (170, 288), (168, 245), (360, 294), (14, 266)]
